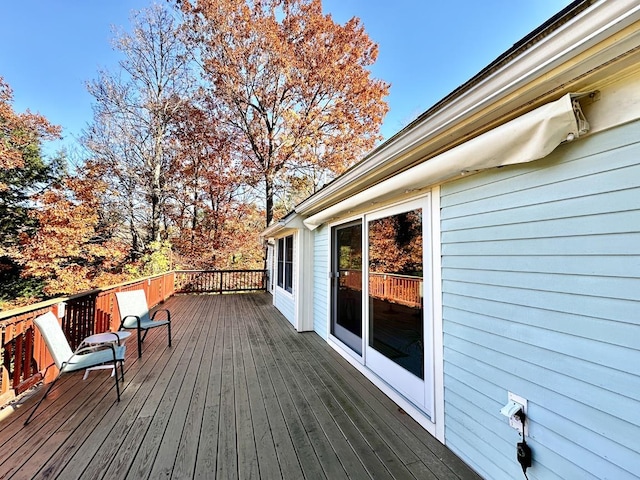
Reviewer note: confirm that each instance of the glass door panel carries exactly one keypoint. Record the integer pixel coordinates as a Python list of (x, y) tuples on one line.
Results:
[(398, 337), (396, 320), (346, 322)]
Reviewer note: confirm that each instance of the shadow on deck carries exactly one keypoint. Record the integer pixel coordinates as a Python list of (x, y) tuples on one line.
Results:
[(239, 395)]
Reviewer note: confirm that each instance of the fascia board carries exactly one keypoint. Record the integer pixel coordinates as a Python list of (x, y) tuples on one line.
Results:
[(484, 102), (288, 224)]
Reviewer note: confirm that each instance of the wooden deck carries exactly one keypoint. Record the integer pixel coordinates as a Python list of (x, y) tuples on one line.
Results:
[(239, 395)]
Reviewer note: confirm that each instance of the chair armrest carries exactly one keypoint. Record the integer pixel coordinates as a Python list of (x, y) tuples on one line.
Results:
[(127, 316), (87, 348), (167, 312)]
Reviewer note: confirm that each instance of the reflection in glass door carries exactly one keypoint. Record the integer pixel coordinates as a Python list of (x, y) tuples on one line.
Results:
[(396, 338), (346, 285)]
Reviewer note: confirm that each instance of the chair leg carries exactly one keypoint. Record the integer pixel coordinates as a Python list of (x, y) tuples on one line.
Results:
[(139, 343), (115, 367), (40, 401), (169, 332)]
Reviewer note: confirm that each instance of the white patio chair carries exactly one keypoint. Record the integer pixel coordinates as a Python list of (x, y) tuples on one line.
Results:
[(84, 357), (134, 314)]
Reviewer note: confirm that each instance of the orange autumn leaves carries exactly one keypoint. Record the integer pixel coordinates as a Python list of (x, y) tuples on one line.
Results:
[(51, 221), (71, 249), (19, 130), (282, 100), (291, 87)]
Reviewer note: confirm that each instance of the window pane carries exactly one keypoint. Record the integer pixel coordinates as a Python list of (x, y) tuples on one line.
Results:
[(346, 285), (395, 289), (281, 262), (288, 274)]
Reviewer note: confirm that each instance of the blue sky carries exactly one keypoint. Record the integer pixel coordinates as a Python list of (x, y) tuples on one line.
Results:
[(51, 48)]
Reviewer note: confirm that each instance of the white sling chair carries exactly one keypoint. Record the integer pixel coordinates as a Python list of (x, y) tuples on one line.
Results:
[(84, 357), (134, 314)]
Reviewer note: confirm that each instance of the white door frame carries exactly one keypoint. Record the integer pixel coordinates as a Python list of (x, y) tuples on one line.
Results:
[(434, 423), (419, 391)]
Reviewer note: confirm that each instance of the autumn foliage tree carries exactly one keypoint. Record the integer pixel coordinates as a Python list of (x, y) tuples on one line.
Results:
[(73, 248), (291, 87), (131, 135), (19, 132), (209, 125), (209, 207), (22, 168), (23, 173)]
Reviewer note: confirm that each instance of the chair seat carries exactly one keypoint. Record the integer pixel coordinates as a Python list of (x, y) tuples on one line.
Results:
[(152, 323), (133, 308), (80, 362), (69, 361)]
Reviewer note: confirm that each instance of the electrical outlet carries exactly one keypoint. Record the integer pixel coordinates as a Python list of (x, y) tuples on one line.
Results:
[(514, 421)]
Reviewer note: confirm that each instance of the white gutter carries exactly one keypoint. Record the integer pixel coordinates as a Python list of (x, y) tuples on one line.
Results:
[(273, 229), (526, 138)]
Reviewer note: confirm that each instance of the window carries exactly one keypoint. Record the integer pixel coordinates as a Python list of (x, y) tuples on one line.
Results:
[(288, 264), (285, 263), (281, 263)]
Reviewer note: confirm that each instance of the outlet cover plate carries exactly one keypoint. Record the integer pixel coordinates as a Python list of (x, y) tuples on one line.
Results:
[(514, 422)]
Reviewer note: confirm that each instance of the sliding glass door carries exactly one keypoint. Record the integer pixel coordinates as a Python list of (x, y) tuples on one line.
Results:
[(390, 329), (346, 285)]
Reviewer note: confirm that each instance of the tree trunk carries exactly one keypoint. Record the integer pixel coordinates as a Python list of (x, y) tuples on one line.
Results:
[(268, 183), (156, 189)]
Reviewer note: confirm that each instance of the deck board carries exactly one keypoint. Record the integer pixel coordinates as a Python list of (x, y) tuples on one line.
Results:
[(265, 448), (239, 395), (287, 459)]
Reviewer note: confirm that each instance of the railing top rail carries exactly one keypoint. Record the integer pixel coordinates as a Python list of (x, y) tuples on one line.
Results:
[(259, 270), (53, 301), (16, 312), (395, 275)]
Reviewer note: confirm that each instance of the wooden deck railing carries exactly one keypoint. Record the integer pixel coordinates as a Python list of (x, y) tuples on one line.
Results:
[(24, 358), (220, 281), (401, 289)]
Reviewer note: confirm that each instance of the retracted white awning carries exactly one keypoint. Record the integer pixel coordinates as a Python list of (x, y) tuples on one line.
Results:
[(529, 137)]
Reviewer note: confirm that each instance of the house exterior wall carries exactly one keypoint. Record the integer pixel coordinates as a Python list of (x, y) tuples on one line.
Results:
[(541, 294), (284, 302), (536, 266), (320, 276)]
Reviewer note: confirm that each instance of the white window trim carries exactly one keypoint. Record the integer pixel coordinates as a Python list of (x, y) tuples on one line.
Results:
[(294, 258), (438, 328)]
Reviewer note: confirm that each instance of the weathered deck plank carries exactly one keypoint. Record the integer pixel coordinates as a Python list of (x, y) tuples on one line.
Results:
[(208, 439), (187, 454), (286, 456), (265, 448), (110, 450), (239, 395)]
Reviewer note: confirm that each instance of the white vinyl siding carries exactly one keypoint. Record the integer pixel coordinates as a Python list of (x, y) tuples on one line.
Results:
[(321, 284), (541, 297), (285, 303)]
